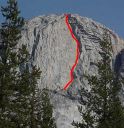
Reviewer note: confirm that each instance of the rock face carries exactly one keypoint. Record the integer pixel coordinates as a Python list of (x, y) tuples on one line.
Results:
[(53, 50)]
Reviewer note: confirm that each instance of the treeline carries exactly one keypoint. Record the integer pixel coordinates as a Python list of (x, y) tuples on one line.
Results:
[(22, 104)]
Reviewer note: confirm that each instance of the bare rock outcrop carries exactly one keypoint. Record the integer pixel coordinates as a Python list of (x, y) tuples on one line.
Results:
[(53, 50)]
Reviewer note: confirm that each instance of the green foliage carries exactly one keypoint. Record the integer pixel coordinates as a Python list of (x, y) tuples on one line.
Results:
[(10, 33), (14, 84), (103, 108), (20, 99), (41, 110), (47, 119)]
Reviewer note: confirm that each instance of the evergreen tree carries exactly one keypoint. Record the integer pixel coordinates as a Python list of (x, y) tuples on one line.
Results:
[(102, 106), (47, 110), (10, 34), (22, 104), (34, 100), (15, 87), (41, 110)]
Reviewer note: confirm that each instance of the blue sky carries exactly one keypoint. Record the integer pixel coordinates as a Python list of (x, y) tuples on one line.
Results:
[(107, 12)]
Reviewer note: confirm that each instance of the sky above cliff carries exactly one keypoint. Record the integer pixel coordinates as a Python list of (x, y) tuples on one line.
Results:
[(107, 12)]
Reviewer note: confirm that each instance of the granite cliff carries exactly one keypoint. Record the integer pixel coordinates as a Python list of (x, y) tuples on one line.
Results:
[(53, 50)]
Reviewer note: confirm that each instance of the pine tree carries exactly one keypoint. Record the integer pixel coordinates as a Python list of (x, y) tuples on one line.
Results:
[(34, 100), (41, 111), (47, 110), (15, 75), (21, 102), (102, 106), (10, 34)]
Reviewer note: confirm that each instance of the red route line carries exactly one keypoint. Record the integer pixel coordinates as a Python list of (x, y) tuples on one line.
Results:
[(77, 52)]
